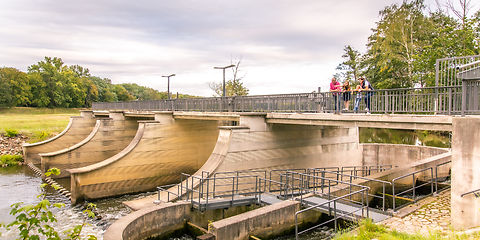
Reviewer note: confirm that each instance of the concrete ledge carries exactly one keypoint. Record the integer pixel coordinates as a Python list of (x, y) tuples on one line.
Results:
[(415, 122), (272, 220), (149, 222)]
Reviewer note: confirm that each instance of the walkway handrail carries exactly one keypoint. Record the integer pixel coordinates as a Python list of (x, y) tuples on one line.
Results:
[(351, 177), (414, 186), (334, 201), (475, 192)]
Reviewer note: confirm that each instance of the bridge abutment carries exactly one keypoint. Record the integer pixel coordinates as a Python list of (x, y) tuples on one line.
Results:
[(465, 211)]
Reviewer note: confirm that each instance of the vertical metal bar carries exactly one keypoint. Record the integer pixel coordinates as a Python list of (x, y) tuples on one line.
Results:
[(449, 101), (413, 184), (208, 184), (393, 195), (431, 174), (383, 198), (335, 214)]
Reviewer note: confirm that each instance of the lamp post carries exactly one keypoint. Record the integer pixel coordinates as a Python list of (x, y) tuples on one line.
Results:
[(168, 85), (223, 68)]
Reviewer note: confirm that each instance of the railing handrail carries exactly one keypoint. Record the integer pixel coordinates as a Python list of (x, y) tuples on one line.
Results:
[(359, 177), (467, 193)]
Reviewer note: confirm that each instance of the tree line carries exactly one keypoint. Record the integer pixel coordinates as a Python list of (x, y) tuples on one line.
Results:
[(408, 39), (51, 83)]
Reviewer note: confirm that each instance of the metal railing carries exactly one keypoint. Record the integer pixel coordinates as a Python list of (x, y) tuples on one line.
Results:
[(476, 193), (328, 205), (427, 100), (350, 179), (432, 181)]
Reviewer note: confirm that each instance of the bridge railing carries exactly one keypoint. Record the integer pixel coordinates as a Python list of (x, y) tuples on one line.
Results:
[(427, 100)]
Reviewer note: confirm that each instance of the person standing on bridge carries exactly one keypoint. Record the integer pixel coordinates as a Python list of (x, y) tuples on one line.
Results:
[(366, 86), (335, 89), (347, 94)]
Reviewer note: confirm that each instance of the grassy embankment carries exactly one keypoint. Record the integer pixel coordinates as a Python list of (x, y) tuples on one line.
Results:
[(368, 230), (37, 124)]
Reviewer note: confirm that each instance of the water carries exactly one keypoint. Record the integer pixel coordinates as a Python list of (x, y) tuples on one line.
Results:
[(19, 184)]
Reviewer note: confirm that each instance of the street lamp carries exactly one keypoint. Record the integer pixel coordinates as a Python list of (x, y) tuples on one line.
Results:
[(223, 95), (168, 86)]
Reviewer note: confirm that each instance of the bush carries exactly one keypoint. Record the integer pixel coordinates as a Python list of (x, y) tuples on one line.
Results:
[(11, 132), (39, 136), (11, 160)]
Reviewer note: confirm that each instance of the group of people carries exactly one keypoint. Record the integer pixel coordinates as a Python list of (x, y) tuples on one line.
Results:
[(346, 93)]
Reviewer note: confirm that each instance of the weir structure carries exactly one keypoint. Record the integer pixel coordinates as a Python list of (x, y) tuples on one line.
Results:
[(211, 145)]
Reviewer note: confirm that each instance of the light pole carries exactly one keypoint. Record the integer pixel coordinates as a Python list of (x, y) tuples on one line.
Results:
[(168, 85), (223, 68)]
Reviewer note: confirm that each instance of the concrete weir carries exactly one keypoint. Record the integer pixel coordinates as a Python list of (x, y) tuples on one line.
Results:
[(256, 145), (108, 137), (271, 219), (159, 152), (78, 128)]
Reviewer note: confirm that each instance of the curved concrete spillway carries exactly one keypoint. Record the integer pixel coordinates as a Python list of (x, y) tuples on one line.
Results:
[(77, 129), (256, 145), (108, 137), (158, 153)]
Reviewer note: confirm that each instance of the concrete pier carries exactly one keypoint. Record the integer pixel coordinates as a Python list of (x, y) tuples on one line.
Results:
[(465, 210)]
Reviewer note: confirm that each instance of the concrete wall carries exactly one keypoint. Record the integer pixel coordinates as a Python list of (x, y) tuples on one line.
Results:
[(397, 154), (465, 211), (149, 222), (159, 152), (77, 129), (108, 138), (267, 221), (282, 146)]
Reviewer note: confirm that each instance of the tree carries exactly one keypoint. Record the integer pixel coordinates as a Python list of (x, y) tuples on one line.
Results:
[(234, 86), (351, 65), (395, 41), (14, 87)]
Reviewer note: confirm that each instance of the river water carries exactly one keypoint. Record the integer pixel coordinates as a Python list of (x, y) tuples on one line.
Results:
[(20, 184)]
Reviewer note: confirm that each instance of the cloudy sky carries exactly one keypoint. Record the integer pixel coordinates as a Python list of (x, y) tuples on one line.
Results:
[(286, 46)]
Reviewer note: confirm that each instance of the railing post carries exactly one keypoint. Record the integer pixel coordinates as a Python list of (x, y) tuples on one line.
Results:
[(386, 102), (449, 101), (464, 97), (413, 187), (393, 195)]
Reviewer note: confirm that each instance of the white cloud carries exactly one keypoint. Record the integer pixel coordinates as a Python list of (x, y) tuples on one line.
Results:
[(285, 45)]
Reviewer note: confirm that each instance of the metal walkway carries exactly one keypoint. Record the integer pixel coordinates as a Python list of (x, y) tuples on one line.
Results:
[(348, 211)]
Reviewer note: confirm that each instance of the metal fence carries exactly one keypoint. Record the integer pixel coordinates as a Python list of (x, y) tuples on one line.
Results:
[(447, 69), (427, 100)]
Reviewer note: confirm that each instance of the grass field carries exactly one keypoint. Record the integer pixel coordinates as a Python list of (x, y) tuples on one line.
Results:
[(37, 123)]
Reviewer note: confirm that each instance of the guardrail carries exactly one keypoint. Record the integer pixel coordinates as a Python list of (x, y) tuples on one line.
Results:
[(427, 100), (328, 205), (432, 181), (476, 193), (353, 177)]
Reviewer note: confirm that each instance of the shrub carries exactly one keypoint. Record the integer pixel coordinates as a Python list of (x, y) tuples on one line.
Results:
[(39, 136), (11, 132), (11, 160)]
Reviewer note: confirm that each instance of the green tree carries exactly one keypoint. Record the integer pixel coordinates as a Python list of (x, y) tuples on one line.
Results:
[(397, 38), (351, 66), (122, 93), (234, 86)]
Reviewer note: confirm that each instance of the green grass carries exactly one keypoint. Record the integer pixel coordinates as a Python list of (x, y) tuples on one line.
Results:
[(36, 123), (10, 160), (368, 230)]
